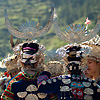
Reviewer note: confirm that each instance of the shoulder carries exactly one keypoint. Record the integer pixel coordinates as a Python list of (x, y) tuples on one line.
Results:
[(63, 77), (85, 79), (89, 83), (60, 77), (18, 77), (14, 80)]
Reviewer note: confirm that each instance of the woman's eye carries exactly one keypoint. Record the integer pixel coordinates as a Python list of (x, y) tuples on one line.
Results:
[(89, 62)]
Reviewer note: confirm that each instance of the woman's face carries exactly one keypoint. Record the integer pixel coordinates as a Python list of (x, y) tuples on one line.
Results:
[(93, 67)]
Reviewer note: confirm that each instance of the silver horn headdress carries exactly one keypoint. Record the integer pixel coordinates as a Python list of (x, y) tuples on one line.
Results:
[(29, 29), (75, 33)]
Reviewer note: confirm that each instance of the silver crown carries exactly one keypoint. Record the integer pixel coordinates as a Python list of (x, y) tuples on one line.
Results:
[(75, 33), (29, 29), (94, 45)]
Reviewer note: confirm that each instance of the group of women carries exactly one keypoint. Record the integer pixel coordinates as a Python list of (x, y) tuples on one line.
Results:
[(73, 73)]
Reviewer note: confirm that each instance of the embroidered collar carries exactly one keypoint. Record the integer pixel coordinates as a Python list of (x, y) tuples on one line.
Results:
[(30, 76)]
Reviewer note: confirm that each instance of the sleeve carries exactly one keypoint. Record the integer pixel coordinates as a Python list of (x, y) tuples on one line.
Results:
[(7, 95), (43, 76), (96, 88), (47, 85), (53, 96)]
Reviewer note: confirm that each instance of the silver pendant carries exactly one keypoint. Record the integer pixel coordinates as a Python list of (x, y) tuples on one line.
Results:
[(31, 88), (42, 95), (63, 76), (88, 91), (21, 94), (86, 84), (31, 97), (90, 80), (85, 78), (59, 78), (54, 80), (44, 82), (64, 88), (95, 84), (66, 81), (98, 90), (49, 81), (88, 97)]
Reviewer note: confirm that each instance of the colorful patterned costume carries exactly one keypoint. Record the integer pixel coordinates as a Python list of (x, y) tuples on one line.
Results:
[(73, 86), (62, 85), (24, 87), (94, 55)]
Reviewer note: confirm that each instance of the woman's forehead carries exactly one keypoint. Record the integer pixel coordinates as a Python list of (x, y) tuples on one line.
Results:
[(91, 60)]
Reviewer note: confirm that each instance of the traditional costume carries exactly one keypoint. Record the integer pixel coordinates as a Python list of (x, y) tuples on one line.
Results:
[(24, 85), (72, 86), (94, 53), (12, 65)]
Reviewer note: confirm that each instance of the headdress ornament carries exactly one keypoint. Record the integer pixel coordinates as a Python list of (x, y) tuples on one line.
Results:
[(53, 63), (73, 53), (94, 53), (75, 33), (29, 29), (29, 50), (30, 53), (10, 63)]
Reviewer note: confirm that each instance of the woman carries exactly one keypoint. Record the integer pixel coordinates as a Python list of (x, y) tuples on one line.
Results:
[(92, 59)]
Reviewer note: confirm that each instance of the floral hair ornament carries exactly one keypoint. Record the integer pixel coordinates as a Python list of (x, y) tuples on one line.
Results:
[(87, 22), (76, 33)]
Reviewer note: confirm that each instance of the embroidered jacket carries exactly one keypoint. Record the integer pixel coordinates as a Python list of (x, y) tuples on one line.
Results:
[(24, 87), (67, 89)]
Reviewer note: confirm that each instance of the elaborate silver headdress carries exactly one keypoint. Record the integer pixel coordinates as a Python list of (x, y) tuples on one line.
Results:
[(73, 53), (11, 63), (53, 63), (94, 53), (75, 33), (29, 29)]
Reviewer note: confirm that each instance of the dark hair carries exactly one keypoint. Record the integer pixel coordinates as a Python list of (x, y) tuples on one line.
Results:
[(34, 48), (73, 48), (73, 57)]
